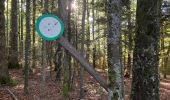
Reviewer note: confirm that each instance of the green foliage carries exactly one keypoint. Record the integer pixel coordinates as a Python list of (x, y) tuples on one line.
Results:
[(7, 81), (65, 90), (111, 75)]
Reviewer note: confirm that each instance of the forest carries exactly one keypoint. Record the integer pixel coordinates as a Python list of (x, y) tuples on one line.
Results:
[(96, 49)]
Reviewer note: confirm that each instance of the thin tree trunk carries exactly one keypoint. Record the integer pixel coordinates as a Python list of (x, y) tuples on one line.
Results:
[(19, 32), (88, 32), (125, 48), (130, 41), (94, 45), (4, 75), (58, 53), (98, 40), (33, 36), (44, 59), (27, 47), (22, 31), (13, 52), (63, 12), (7, 23), (82, 48), (69, 39), (166, 61)]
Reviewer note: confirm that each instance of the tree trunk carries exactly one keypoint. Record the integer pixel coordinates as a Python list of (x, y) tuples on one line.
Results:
[(19, 32), (13, 51), (88, 32), (27, 47), (44, 58), (33, 36), (63, 14), (4, 76), (145, 83), (82, 48), (130, 41), (7, 23), (166, 61), (22, 32), (114, 51), (94, 45)]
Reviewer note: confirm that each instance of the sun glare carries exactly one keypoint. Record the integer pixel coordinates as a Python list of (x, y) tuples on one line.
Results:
[(74, 5)]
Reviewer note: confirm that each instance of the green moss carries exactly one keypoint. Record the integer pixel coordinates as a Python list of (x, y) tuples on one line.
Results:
[(65, 90), (7, 81), (111, 75)]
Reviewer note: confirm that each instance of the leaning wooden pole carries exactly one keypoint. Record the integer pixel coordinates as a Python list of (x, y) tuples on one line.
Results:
[(89, 68)]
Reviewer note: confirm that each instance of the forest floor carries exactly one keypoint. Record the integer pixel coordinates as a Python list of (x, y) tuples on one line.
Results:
[(53, 89)]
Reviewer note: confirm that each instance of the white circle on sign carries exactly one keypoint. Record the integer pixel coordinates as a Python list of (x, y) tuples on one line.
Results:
[(49, 27)]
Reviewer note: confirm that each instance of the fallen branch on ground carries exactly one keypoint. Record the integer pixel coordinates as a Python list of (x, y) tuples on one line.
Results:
[(15, 98)]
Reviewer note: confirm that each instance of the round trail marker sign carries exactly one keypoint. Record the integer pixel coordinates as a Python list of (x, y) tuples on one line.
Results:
[(49, 27)]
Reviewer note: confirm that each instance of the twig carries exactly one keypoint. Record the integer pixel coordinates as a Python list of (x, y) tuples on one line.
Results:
[(15, 98)]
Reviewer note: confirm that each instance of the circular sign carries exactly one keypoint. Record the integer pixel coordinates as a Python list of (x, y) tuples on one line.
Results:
[(49, 27)]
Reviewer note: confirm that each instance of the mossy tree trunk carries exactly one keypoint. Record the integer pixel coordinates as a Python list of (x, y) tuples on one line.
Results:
[(13, 51), (3, 61), (114, 51), (145, 83)]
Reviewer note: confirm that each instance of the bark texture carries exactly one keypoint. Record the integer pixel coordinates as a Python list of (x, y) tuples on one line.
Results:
[(27, 47), (145, 84), (114, 50), (63, 14), (3, 60), (13, 51)]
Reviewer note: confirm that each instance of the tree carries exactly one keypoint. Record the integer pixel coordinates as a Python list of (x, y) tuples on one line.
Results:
[(82, 47), (88, 30), (13, 51), (69, 39), (7, 22), (114, 50), (130, 40), (27, 46), (43, 58), (58, 53), (145, 83), (166, 61), (22, 30), (63, 13), (94, 45), (4, 76), (33, 36)]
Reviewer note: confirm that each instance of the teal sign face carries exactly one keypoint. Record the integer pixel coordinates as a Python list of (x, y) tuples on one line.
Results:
[(49, 27)]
